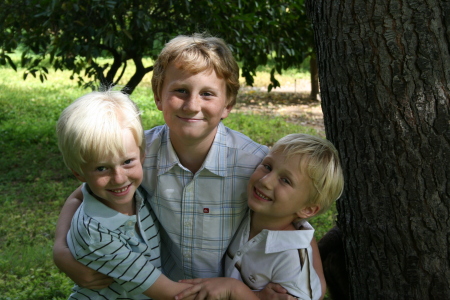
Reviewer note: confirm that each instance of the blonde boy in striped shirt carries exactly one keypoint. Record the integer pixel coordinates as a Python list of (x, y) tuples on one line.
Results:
[(114, 231)]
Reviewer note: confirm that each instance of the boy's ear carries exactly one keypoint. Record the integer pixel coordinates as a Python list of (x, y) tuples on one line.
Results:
[(158, 103), (226, 111), (78, 176), (308, 212)]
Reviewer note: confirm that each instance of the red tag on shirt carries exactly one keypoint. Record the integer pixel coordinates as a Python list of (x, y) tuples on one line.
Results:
[(206, 210)]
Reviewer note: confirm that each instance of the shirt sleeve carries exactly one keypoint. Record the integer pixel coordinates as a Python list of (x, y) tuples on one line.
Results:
[(110, 253), (295, 273)]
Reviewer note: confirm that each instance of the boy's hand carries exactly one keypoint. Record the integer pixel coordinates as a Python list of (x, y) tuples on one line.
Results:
[(83, 276), (89, 278), (274, 291), (220, 288)]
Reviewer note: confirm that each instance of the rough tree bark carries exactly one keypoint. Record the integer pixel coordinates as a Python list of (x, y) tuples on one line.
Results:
[(384, 70)]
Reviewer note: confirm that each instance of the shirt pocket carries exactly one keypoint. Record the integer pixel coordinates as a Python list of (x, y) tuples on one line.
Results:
[(218, 224)]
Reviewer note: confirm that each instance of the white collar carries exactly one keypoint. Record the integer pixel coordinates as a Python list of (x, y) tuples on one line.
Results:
[(282, 240)]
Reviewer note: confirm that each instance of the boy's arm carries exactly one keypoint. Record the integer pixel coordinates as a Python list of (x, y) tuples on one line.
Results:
[(218, 288), (273, 291), (317, 264), (79, 273), (164, 288)]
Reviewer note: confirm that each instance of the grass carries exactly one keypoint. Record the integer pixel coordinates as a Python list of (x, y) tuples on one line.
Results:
[(34, 182)]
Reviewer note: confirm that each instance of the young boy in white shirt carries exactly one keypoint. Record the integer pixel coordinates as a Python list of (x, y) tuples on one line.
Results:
[(299, 178), (196, 170)]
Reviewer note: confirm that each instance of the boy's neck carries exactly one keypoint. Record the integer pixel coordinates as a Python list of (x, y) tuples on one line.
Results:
[(192, 154), (129, 209), (259, 222)]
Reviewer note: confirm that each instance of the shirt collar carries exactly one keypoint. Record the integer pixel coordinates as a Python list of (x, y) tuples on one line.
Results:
[(167, 158), (278, 241), (215, 162), (105, 215)]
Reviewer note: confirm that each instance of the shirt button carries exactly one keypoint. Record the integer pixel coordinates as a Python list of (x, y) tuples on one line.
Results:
[(187, 224), (132, 234), (130, 223), (238, 253), (186, 255)]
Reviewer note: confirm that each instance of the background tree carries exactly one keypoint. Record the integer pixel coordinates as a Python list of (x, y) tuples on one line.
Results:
[(385, 84), (73, 34)]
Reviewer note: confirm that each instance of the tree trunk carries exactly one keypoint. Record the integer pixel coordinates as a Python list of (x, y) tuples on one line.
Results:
[(314, 77), (137, 77), (384, 70)]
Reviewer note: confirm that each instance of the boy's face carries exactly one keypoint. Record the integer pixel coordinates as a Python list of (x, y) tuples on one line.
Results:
[(279, 190), (114, 180), (192, 104)]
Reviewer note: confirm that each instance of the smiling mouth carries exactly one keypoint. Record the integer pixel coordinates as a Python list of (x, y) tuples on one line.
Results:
[(121, 190), (262, 196), (190, 119)]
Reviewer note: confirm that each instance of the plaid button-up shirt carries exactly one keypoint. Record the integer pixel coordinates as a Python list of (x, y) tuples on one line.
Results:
[(200, 212)]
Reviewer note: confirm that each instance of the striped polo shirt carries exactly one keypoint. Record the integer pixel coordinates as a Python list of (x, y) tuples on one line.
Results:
[(108, 242), (283, 257), (200, 212)]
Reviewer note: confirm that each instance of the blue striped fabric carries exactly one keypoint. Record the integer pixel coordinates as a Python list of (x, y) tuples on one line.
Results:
[(107, 241), (200, 212)]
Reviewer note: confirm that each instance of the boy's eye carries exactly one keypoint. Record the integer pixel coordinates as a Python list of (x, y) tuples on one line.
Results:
[(267, 167), (285, 180), (207, 94), (127, 162), (182, 91), (101, 169)]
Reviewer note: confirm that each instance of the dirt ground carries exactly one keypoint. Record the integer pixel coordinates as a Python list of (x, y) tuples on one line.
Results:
[(290, 101)]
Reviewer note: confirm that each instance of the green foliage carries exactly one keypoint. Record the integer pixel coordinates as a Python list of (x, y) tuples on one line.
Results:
[(75, 34), (34, 182), (40, 284)]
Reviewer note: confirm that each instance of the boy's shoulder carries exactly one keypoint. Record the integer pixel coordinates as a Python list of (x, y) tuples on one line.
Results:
[(155, 133), (239, 141)]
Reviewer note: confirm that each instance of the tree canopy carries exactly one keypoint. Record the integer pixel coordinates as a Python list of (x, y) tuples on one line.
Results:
[(74, 34)]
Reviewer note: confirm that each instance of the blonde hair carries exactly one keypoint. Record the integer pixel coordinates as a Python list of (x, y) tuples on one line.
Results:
[(196, 54), (320, 161), (91, 127)]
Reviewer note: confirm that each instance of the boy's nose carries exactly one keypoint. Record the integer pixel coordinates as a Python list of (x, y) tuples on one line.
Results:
[(267, 181), (119, 176), (192, 104)]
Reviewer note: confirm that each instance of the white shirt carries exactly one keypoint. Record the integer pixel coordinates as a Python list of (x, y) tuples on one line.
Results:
[(283, 257), (107, 241), (200, 212)]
